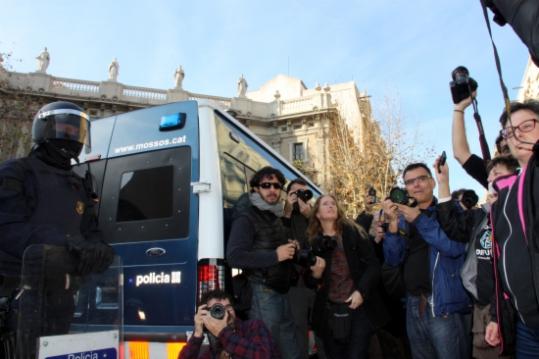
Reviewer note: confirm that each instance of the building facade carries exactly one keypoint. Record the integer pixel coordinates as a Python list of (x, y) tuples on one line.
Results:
[(292, 118), (529, 88)]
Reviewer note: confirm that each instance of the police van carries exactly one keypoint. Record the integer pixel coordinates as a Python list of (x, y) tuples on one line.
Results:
[(168, 178)]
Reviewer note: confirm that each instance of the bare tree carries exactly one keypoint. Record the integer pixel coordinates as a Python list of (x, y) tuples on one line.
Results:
[(377, 161)]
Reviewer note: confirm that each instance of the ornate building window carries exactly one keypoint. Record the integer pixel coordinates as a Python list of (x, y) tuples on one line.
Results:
[(298, 151)]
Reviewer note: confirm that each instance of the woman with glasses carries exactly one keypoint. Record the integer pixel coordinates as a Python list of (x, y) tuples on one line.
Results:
[(347, 307), (516, 243)]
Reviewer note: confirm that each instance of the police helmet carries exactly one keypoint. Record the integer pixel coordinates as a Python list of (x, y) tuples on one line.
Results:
[(61, 120)]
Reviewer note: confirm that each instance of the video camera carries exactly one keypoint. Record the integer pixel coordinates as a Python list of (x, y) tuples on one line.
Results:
[(462, 85)]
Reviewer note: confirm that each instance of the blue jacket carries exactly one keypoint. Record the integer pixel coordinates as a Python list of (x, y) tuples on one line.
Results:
[(445, 261)]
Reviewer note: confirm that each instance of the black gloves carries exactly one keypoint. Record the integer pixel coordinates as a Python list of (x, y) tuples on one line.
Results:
[(94, 256)]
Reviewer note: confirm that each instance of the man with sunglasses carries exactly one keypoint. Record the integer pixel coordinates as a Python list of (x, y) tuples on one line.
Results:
[(260, 245), (516, 242), (437, 323)]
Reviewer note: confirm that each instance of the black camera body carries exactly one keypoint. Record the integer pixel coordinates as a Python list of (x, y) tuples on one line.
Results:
[(462, 85), (469, 198), (305, 257), (324, 244), (399, 195), (304, 194), (217, 311)]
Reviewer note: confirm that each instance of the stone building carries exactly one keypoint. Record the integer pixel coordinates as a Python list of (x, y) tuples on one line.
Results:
[(292, 118), (530, 82)]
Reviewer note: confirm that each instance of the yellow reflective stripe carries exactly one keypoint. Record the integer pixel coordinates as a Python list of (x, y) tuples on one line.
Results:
[(173, 349), (138, 350)]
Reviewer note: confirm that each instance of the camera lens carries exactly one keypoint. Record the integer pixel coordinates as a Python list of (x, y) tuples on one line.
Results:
[(398, 195), (217, 311), (304, 195)]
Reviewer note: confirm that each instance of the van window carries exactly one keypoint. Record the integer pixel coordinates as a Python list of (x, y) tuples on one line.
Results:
[(145, 194)]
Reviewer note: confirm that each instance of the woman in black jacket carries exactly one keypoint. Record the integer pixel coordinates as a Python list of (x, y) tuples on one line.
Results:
[(347, 306)]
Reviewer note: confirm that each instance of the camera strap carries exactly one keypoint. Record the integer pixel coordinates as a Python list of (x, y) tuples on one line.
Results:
[(506, 100)]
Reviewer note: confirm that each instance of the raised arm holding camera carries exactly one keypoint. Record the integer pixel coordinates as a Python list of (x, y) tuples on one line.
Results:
[(229, 337)]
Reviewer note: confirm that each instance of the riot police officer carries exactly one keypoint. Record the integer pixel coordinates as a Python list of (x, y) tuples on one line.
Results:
[(43, 202)]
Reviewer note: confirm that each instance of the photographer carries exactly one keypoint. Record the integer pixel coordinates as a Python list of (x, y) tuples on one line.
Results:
[(474, 227), (437, 304), (296, 216), (261, 245), (229, 337), (515, 222), (348, 307)]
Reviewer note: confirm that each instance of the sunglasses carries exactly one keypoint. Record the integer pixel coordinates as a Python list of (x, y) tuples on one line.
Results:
[(267, 185)]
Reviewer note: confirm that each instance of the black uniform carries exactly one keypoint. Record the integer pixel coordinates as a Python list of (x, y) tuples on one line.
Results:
[(43, 202)]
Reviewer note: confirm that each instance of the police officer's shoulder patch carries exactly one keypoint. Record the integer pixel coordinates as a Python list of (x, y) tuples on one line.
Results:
[(79, 208)]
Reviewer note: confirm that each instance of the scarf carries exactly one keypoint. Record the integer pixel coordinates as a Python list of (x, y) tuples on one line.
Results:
[(257, 201)]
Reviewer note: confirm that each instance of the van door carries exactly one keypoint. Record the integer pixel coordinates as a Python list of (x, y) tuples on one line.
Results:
[(150, 215)]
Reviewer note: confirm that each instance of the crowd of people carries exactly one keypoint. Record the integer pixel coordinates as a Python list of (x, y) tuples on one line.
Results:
[(422, 277)]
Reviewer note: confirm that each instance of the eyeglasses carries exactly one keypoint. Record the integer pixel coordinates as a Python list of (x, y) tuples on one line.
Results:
[(526, 126), (412, 181), (267, 185)]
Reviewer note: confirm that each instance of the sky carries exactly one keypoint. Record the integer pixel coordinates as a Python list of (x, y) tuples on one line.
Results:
[(400, 49)]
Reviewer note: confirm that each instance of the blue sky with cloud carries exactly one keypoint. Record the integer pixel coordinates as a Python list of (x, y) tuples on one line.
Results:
[(387, 47)]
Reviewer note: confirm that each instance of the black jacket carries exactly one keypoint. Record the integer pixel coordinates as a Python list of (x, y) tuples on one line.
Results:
[(365, 271), (254, 237)]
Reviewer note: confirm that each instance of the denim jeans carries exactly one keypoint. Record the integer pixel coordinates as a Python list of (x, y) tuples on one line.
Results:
[(527, 342), (274, 310), (447, 337)]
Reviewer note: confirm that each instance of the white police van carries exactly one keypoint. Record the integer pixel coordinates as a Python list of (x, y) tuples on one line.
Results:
[(168, 178)]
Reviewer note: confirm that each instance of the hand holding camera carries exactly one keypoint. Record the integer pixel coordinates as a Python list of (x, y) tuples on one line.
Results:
[(463, 87), (213, 319), (286, 251), (300, 201)]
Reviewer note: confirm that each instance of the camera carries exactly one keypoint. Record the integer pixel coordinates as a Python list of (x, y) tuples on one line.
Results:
[(469, 198), (324, 244), (305, 257), (399, 195), (304, 194), (462, 85), (371, 196), (217, 311)]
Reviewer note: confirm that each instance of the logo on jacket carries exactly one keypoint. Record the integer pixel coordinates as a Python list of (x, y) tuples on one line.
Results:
[(79, 208), (486, 243)]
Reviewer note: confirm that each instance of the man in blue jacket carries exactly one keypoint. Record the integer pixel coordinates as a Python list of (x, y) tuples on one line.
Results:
[(437, 320)]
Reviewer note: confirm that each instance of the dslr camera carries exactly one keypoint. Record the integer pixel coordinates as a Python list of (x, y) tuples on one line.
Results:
[(400, 196), (323, 244), (462, 85), (305, 258), (304, 194), (217, 311)]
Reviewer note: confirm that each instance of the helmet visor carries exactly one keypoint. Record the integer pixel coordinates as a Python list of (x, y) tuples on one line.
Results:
[(67, 125)]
